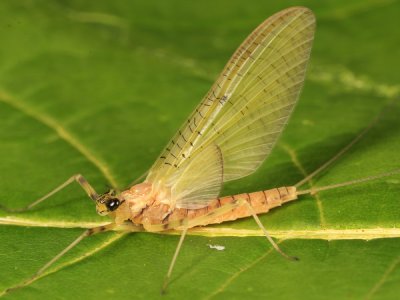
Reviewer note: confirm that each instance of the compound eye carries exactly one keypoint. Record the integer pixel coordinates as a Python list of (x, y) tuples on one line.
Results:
[(112, 204)]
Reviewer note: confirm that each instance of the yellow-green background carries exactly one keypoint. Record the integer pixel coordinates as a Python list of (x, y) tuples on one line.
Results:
[(99, 87)]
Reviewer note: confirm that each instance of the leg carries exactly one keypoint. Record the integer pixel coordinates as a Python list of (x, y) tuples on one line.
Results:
[(202, 221), (87, 233), (275, 245), (171, 266), (78, 178)]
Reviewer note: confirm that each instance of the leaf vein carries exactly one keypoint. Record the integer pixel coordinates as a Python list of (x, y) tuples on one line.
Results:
[(295, 160), (93, 251), (61, 132), (383, 279), (237, 274)]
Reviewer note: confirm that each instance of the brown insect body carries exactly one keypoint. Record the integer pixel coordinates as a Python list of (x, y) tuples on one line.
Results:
[(144, 208)]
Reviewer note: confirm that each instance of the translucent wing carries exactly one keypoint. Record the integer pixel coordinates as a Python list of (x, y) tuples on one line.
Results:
[(198, 180), (249, 104)]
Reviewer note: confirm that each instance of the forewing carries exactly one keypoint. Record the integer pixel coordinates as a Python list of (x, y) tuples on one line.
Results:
[(251, 101)]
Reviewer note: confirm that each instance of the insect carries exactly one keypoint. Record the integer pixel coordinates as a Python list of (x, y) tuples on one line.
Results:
[(227, 137)]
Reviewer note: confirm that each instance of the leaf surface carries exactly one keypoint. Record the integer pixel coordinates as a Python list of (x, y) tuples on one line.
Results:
[(99, 88)]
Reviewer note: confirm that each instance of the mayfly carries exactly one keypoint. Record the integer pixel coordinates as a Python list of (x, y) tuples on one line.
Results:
[(227, 137)]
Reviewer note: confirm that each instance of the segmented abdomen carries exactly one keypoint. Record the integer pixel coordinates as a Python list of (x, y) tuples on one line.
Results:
[(223, 209), (261, 203)]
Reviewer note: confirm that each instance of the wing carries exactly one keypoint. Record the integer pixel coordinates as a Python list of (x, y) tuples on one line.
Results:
[(248, 106), (198, 180)]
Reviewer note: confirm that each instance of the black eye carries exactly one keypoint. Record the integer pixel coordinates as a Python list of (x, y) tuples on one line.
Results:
[(112, 204)]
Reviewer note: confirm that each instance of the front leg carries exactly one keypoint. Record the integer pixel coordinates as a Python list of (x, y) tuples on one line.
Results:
[(84, 235), (78, 178)]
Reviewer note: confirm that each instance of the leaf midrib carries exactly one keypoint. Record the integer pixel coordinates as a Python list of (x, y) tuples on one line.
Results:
[(322, 234)]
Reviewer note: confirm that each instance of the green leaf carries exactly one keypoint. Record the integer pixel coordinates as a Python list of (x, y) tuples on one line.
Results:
[(98, 88)]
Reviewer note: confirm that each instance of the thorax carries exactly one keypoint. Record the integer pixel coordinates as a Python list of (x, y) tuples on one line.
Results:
[(138, 199)]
